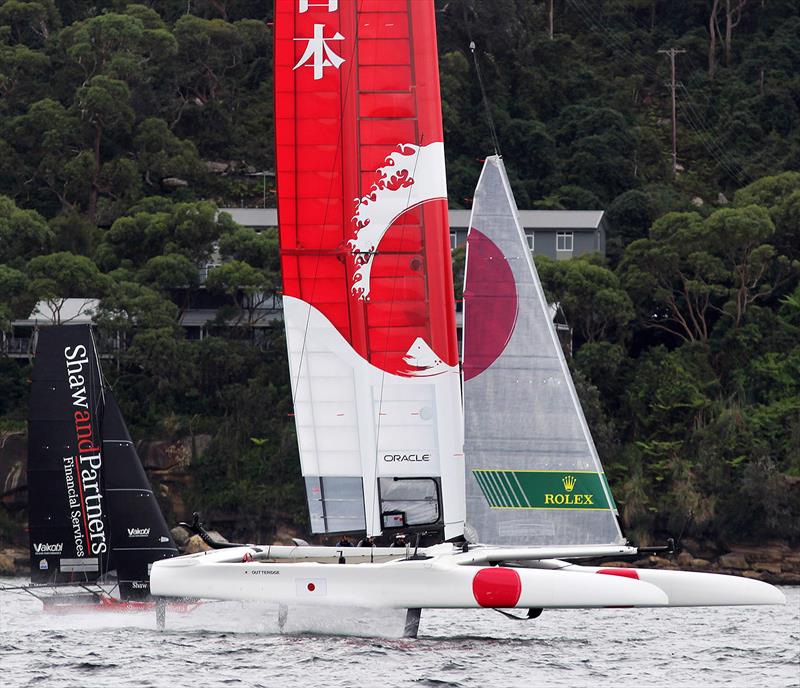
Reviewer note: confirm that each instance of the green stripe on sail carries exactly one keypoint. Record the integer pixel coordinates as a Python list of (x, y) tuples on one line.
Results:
[(610, 494), (543, 489)]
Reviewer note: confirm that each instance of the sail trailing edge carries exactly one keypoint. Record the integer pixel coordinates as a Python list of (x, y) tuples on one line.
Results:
[(139, 533)]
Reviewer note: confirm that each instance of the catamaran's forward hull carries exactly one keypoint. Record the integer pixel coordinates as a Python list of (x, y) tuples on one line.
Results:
[(693, 589), (444, 581)]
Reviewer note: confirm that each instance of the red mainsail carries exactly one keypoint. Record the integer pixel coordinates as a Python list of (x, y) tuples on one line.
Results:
[(356, 98), (365, 244)]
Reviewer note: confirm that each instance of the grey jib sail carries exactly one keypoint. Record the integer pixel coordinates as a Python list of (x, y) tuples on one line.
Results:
[(533, 474)]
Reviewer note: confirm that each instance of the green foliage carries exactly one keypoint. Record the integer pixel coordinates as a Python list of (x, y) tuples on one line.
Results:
[(155, 226), (116, 120), (58, 276), (259, 249), (23, 233), (593, 301)]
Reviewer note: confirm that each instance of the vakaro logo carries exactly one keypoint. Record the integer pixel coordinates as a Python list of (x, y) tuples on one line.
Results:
[(47, 548), (138, 532)]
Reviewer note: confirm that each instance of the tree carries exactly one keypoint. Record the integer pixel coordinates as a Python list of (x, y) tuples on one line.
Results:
[(155, 226), (249, 288), (46, 138), (128, 306), (30, 22), (258, 249), (168, 272), (166, 364), (104, 104), (23, 233), (739, 236), (13, 285), (59, 276), (161, 154), (22, 75), (593, 301), (733, 16), (672, 280), (629, 218), (123, 46)]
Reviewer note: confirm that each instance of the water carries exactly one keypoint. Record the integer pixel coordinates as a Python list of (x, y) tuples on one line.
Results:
[(229, 644)]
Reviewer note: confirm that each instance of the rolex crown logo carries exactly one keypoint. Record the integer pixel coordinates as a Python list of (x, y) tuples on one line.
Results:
[(569, 482)]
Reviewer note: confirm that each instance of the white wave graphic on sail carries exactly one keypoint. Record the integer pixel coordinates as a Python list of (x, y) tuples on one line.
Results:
[(411, 175)]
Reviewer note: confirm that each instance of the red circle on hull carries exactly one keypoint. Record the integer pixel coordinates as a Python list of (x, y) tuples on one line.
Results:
[(624, 573), (497, 587)]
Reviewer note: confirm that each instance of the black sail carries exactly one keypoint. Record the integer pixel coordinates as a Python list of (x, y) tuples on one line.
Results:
[(139, 533), (68, 522)]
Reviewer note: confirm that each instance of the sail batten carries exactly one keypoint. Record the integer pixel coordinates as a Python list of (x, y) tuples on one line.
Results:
[(533, 474)]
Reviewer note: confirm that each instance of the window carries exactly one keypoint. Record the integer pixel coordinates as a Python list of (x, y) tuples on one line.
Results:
[(336, 504), (409, 501), (529, 235), (453, 241), (564, 241)]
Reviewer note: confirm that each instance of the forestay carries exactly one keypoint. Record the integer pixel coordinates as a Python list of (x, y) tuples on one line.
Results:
[(533, 473), (365, 255)]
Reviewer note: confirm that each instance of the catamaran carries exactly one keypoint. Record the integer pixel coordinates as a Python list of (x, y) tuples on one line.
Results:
[(511, 477), (94, 523)]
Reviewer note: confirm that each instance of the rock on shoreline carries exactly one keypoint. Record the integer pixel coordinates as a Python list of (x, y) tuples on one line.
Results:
[(773, 562)]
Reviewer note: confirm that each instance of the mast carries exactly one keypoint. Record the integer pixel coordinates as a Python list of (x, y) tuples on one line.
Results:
[(365, 254), (533, 473)]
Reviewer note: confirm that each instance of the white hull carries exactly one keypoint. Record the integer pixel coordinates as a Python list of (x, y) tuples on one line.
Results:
[(444, 580)]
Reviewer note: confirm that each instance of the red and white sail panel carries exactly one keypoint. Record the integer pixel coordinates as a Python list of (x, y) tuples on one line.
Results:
[(365, 249)]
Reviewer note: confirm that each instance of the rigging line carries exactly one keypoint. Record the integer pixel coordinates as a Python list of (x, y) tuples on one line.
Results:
[(713, 133), (339, 148), (709, 142), (592, 20), (484, 97)]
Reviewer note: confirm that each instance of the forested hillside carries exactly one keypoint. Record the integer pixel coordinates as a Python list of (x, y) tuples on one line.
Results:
[(123, 127)]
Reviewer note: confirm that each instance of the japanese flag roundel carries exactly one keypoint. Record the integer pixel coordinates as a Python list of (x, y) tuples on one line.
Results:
[(311, 587)]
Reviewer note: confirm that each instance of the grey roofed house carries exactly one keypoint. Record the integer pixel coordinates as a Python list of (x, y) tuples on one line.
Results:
[(558, 234)]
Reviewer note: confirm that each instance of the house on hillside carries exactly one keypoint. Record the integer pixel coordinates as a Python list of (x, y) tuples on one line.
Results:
[(557, 234), (21, 341)]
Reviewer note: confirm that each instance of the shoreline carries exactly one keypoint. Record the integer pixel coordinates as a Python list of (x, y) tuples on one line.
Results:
[(776, 562)]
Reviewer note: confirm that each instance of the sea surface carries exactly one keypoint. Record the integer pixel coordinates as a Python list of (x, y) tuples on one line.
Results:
[(232, 644)]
